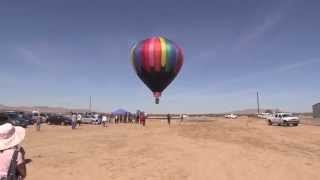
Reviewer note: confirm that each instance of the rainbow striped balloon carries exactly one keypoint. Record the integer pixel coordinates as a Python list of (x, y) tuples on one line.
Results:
[(157, 61)]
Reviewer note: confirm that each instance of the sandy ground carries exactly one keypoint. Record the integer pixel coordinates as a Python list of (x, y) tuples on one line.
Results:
[(241, 149)]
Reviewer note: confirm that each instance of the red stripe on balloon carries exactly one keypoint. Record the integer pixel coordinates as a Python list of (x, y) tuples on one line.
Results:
[(145, 55), (157, 54), (151, 52)]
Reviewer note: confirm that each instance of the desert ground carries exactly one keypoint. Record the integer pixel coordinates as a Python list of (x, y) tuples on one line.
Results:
[(223, 149)]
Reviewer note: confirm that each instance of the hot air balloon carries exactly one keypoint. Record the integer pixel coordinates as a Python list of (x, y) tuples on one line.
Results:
[(157, 61)]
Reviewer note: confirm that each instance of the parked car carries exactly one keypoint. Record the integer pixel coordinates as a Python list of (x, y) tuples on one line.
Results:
[(28, 118), (59, 120), (185, 116), (285, 119), (43, 117), (16, 120), (3, 118), (88, 119), (35, 115), (231, 116)]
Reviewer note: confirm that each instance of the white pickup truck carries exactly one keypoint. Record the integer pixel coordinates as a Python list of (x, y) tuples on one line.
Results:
[(285, 119)]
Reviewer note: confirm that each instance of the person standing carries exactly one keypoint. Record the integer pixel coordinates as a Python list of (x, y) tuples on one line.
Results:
[(138, 117), (111, 118), (79, 118), (97, 118), (104, 120), (130, 118), (74, 120), (12, 155), (143, 119), (38, 123), (169, 119), (181, 118)]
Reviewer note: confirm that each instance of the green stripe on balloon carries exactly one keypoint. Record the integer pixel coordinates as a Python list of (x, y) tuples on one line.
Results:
[(168, 54)]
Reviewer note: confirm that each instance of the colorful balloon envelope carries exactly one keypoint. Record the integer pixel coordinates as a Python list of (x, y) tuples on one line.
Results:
[(157, 61)]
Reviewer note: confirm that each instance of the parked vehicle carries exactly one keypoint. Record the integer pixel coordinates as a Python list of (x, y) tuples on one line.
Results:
[(88, 119), (44, 117), (3, 118), (231, 116), (97, 118), (269, 117), (28, 118), (35, 115), (285, 119), (59, 120), (16, 120), (264, 115)]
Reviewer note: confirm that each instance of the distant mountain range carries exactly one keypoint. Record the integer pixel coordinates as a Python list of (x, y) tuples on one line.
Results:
[(67, 110), (41, 109)]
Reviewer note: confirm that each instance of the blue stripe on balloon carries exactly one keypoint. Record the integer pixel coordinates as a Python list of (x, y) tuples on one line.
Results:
[(172, 55)]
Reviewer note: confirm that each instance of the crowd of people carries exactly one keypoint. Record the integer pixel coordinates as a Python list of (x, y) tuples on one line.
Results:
[(138, 118), (12, 154), (105, 119)]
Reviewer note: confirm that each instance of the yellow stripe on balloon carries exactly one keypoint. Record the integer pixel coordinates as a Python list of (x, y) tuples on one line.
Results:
[(163, 51), (132, 55)]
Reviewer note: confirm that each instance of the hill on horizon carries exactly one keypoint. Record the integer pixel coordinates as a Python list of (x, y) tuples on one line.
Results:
[(47, 109), (254, 111), (50, 109)]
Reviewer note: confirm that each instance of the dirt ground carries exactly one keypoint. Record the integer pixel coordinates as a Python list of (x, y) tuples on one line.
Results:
[(223, 149)]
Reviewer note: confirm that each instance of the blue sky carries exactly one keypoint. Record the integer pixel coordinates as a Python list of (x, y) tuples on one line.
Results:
[(58, 53)]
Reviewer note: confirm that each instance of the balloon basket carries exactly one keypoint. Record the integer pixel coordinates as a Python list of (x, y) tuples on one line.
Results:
[(157, 100)]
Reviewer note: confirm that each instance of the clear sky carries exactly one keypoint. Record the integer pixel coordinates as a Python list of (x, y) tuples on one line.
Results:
[(58, 53)]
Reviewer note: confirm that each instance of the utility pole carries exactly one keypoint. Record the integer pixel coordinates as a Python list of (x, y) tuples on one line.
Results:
[(258, 102), (90, 105)]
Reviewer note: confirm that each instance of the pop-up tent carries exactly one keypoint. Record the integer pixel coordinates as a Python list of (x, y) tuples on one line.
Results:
[(120, 112)]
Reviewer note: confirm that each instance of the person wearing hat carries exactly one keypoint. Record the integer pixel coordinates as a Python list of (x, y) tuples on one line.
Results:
[(12, 161)]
